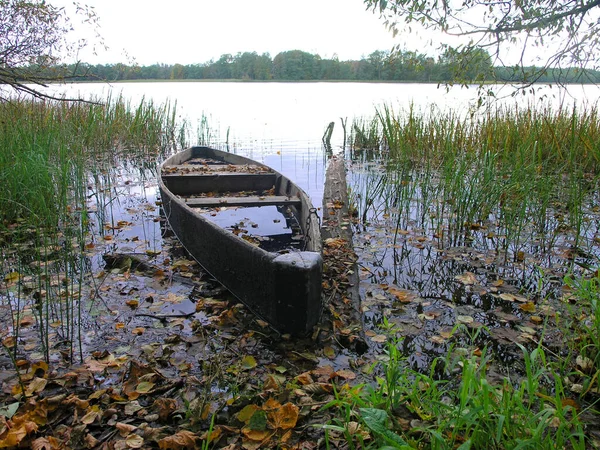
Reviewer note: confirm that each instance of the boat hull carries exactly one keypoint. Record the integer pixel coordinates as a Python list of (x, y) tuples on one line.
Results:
[(283, 289)]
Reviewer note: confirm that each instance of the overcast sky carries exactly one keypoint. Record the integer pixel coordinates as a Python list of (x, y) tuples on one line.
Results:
[(195, 31)]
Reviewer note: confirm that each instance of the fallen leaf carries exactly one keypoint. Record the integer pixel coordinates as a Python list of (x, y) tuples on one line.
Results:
[(144, 387), (125, 429), (284, 417), (134, 441), (248, 362), (527, 307), (246, 413), (465, 319), (329, 352), (183, 439), (401, 295), (467, 278)]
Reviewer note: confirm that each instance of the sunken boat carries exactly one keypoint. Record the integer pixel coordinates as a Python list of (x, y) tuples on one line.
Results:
[(251, 228)]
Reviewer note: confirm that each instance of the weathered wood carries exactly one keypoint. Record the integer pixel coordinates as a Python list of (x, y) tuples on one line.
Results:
[(193, 183), (339, 258), (271, 200)]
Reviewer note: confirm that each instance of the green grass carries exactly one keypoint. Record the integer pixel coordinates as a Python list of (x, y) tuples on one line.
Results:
[(406, 409)]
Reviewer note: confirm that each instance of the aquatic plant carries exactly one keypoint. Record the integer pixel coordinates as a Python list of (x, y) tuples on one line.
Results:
[(51, 153)]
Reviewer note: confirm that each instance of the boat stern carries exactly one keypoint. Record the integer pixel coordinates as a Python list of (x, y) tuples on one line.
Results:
[(298, 291)]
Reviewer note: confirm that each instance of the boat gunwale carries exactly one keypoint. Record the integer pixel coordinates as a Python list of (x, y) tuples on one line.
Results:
[(304, 201)]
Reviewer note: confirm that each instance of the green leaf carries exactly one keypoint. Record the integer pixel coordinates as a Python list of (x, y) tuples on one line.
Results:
[(376, 420), (9, 410), (258, 421)]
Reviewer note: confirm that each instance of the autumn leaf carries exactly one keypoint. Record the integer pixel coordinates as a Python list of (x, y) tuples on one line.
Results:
[(248, 362), (36, 386), (165, 407), (284, 417), (344, 373), (401, 295), (467, 278), (527, 307), (125, 429), (465, 319), (134, 441), (144, 387), (12, 277), (183, 439), (91, 416), (379, 338), (257, 435)]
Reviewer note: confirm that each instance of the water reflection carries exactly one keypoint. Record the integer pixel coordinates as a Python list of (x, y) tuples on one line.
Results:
[(480, 277)]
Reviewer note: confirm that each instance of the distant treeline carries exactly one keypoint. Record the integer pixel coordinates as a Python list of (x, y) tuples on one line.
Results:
[(297, 65)]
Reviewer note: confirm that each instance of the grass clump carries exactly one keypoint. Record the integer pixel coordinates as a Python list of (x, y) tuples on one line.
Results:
[(50, 155), (521, 175), (462, 409)]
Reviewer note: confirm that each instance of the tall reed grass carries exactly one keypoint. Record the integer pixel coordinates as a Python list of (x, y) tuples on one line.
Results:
[(50, 154), (510, 171)]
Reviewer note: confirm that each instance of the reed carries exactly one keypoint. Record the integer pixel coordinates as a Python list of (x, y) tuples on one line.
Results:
[(507, 170), (50, 152)]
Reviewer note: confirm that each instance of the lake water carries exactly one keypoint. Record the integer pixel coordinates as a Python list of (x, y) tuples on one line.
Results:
[(270, 116)]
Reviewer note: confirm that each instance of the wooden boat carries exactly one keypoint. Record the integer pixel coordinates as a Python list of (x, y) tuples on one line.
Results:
[(251, 228)]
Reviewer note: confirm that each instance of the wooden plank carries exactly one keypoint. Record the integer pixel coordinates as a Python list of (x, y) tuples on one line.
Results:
[(277, 200), (195, 183)]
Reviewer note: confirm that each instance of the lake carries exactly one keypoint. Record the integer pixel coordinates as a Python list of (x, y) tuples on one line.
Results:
[(268, 116)]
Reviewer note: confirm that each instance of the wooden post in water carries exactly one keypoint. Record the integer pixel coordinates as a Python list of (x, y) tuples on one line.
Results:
[(327, 137)]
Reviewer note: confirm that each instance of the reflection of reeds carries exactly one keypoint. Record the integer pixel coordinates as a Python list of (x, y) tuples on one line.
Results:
[(49, 154)]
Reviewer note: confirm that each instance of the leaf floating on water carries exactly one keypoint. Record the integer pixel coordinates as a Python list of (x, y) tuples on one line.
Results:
[(401, 295), (527, 307), (467, 278), (465, 319)]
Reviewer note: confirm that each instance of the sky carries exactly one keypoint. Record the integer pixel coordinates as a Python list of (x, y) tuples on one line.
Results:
[(196, 31)]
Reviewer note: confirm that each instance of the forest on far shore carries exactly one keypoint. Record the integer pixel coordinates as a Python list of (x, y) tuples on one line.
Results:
[(297, 65)]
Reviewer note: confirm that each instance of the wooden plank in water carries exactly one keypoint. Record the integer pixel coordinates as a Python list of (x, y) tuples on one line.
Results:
[(276, 200)]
